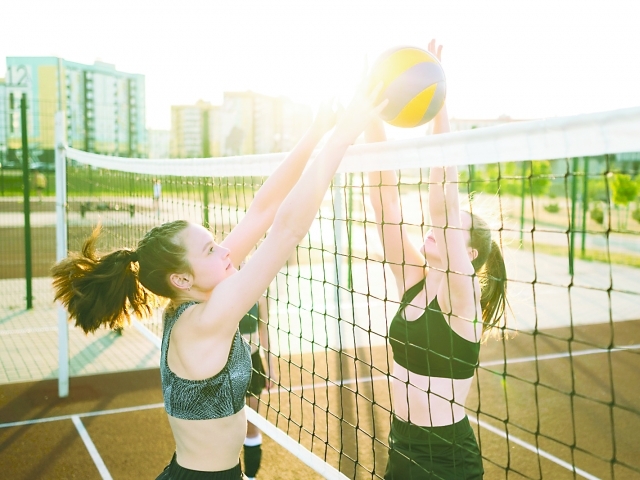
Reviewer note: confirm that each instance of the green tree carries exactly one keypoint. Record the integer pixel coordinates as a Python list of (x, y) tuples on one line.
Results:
[(540, 177), (625, 190)]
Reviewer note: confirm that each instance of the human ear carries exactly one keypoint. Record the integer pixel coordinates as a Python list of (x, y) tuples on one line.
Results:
[(180, 281)]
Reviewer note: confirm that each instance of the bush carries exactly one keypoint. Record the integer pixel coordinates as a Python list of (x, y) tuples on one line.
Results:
[(636, 215), (552, 208), (597, 215)]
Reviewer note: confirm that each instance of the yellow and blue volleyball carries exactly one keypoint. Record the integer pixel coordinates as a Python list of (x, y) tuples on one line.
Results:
[(414, 83)]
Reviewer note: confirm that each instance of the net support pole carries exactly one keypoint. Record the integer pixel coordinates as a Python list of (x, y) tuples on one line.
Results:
[(338, 232), (61, 250), (585, 203), (349, 231), (572, 223), (347, 440), (205, 205), (27, 202), (522, 199)]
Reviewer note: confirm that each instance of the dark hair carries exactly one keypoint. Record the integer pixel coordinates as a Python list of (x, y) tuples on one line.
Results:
[(107, 290), (489, 265)]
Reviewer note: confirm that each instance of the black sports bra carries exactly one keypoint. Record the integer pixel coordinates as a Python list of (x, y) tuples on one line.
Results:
[(249, 323), (219, 396), (428, 345)]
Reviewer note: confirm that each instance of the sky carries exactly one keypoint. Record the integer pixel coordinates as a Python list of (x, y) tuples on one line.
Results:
[(524, 59)]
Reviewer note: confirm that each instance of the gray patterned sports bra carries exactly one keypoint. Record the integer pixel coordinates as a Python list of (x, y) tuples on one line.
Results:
[(219, 396)]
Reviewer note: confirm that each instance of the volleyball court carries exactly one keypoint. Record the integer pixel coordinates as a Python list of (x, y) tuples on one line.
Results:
[(556, 392)]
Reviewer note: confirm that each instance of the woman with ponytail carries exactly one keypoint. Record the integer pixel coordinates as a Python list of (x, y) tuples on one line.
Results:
[(205, 363), (453, 291)]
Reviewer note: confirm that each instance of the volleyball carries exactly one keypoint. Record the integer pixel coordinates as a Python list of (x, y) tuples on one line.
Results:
[(413, 82)]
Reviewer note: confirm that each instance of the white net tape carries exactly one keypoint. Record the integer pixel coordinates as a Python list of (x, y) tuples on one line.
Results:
[(614, 131)]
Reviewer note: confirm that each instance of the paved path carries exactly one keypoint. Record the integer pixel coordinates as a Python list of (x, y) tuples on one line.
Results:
[(541, 296)]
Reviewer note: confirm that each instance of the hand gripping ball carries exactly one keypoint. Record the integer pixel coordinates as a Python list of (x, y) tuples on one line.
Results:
[(414, 83)]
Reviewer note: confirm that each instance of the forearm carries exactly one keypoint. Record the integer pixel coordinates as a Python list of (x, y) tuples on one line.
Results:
[(280, 182), (301, 205), (443, 187), (443, 194), (383, 192), (383, 186), (441, 121)]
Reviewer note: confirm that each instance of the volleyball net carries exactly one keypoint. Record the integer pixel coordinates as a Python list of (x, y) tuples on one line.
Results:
[(556, 400)]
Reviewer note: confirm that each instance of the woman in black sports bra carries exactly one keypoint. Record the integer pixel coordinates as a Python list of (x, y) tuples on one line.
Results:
[(453, 290), (205, 364)]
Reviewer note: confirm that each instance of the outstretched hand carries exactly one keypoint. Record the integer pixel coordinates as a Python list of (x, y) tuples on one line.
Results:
[(325, 118), (441, 120), (435, 49), (360, 112)]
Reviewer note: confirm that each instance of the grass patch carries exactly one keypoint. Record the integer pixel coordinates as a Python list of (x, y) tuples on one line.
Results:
[(591, 255)]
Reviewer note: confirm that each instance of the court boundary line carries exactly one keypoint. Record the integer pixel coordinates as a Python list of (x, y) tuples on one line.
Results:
[(534, 449), (93, 451), (251, 416), (24, 331)]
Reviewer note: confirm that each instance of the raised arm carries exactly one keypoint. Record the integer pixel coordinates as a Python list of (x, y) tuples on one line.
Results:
[(406, 262), (243, 238), (237, 293), (460, 289)]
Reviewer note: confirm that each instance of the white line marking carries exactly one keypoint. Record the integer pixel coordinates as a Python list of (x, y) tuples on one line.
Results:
[(147, 333), (534, 449), (81, 415), (285, 441), (551, 356), (93, 451), (28, 330), (350, 381)]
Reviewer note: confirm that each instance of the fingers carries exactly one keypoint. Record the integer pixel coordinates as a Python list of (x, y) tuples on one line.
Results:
[(376, 91), (434, 49), (380, 107)]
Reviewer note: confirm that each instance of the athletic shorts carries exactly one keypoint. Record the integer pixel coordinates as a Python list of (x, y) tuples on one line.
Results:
[(421, 453), (258, 379), (173, 471)]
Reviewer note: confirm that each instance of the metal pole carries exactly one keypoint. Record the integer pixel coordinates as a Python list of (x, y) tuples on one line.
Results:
[(572, 224), (349, 230), (61, 251), (205, 205), (585, 203), (27, 202), (346, 433), (522, 199)]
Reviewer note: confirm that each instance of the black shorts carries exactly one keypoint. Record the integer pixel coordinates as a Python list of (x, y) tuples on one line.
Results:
[(421, 453), (173, 471), (258, 377)]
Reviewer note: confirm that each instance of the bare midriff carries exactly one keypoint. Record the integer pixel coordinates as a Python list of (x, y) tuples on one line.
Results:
[(428, 401), (209, 445)]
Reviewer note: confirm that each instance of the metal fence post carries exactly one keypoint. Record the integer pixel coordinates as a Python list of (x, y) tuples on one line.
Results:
[(27, 202), (585, 203), (61, 251), (572, 222)]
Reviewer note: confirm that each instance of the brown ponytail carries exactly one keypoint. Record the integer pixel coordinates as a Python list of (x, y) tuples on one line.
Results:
[(491, 270), (493, 283), (107, 290), (98, 290)]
